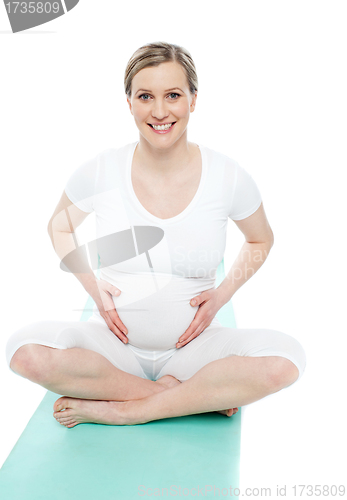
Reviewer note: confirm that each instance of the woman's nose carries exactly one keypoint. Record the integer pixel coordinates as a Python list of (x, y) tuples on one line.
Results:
[(159, 110)]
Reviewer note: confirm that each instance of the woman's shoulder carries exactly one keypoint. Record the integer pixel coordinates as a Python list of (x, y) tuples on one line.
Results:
[(120, 152), (218, 158)]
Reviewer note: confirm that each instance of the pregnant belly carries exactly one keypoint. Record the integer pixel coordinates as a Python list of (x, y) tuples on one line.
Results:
[(159, 327), (157, 321)]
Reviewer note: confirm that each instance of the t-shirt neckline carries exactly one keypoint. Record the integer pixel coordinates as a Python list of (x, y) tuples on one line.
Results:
[(142, 208)]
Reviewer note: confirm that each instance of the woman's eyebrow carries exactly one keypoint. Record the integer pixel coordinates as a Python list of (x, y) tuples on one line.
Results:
[(144, 90)]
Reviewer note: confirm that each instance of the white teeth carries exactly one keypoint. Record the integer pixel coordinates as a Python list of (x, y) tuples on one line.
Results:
[(162, 127)]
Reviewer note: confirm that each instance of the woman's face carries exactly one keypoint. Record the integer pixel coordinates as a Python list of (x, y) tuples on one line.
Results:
[(160, 95)]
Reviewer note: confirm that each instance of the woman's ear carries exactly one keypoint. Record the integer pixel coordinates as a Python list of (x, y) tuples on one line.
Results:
[(128, 101), (193, 103)]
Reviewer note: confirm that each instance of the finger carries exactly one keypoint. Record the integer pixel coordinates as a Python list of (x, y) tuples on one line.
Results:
[(186, 339), (189, 339), (117, 321), (193, 327), (115, 329), (188, 336), (113, 316), (196, 301)]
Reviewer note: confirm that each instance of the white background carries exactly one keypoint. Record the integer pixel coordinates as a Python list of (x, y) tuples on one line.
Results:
[(272, 95)]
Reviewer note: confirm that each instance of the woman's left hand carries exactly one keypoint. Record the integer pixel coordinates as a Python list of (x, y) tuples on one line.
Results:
[(210, 302)]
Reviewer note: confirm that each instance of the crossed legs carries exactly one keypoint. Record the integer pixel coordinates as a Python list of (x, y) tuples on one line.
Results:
[(96, 391), (103, 381)]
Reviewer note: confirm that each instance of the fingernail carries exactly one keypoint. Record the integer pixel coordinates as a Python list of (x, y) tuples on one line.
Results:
[(193, 302)]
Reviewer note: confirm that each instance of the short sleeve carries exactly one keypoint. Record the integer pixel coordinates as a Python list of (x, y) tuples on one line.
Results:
[(80, 187), (246, 197)]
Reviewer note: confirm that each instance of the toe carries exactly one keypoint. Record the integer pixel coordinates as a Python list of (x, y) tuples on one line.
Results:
[(68, 422), (63, 415), (63, 419), (168, 381), (232, 411), (229, 412), (61, 404)]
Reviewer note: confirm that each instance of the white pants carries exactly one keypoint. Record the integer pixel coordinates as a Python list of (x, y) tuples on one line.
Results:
[(215, 342)]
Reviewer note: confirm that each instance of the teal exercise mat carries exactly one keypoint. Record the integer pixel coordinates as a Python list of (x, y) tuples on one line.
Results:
[(195, 455)]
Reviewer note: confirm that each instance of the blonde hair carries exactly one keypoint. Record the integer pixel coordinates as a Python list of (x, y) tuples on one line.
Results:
[(153, 54)]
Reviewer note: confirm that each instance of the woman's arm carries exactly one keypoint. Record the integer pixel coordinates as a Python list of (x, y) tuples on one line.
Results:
[(259, 240), (61, 229)]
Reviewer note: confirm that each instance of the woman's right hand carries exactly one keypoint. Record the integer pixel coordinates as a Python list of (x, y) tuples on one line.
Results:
[(103, 299)]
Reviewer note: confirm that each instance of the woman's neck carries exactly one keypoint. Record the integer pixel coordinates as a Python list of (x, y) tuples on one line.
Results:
[(165, 162)]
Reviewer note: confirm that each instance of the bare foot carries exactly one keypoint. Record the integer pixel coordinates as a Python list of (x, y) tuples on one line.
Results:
[(169, 381), (72, 411)]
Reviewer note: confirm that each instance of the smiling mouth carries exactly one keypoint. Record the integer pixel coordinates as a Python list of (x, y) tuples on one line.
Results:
[(160, 129)]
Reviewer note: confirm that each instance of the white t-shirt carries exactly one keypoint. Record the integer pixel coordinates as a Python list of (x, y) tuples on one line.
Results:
[(161, 264)]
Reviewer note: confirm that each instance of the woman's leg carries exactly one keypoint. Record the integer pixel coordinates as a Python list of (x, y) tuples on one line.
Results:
[(218, 342), (78, 359), (224, 383), (231, 368)]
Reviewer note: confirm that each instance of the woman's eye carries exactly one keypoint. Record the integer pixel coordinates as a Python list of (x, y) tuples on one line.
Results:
[(172, 93)]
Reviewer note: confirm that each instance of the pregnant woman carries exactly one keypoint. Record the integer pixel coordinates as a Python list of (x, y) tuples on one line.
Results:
[(153, 347)]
